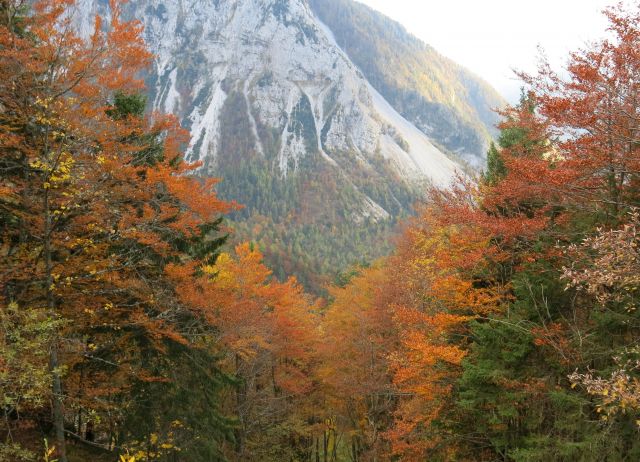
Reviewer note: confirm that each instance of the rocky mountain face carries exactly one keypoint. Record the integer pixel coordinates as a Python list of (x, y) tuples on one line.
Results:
[(292, 118), (441, 98)]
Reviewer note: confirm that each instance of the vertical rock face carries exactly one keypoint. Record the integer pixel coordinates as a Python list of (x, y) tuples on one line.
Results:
[(281, 112)]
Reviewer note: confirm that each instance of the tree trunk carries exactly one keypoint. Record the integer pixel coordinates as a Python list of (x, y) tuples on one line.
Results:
[(324, 445), (241, 398), (58, 404)]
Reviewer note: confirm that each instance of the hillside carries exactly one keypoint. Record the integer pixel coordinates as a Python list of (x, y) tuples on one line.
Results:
[(443, 99)]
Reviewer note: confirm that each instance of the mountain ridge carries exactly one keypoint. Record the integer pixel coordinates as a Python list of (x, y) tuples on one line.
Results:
[(421, 80)]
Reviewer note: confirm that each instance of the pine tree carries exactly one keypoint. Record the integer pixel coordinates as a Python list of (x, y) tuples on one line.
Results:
[(496, 169)]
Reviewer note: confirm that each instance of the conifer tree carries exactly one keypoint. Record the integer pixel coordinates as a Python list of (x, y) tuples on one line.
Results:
[(495, 165)]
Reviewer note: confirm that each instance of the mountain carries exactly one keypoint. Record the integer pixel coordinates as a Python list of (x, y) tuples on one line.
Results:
[(443, 99), (324, 145)]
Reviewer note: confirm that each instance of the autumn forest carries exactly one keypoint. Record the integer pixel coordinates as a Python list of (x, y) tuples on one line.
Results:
[(504, 325)]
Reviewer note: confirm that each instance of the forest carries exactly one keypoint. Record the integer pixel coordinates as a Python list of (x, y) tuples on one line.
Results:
[(503, 325)]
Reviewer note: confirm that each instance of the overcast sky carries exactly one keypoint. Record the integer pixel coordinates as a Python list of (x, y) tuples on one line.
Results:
[(491, 37)]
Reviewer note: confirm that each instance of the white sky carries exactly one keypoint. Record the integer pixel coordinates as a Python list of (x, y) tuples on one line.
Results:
[(492, 37)]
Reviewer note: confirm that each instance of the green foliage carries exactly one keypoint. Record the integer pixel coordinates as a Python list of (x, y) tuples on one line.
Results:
[(133, 105), (181, 414), (25, 337), (314, 253), (514, 400), (180, 408), (302, 124), (509, 391), (343, 278), (14, 452), (496, 169), (25, 380), (515, 136), (125, 105), (510, 137)]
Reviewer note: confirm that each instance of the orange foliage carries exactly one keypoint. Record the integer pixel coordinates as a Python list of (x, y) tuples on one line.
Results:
[(266, 330), (358, 333), (391, 352), (91, 226)]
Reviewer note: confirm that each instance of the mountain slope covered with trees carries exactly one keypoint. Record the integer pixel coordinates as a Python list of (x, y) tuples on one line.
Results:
[(313, 145)]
